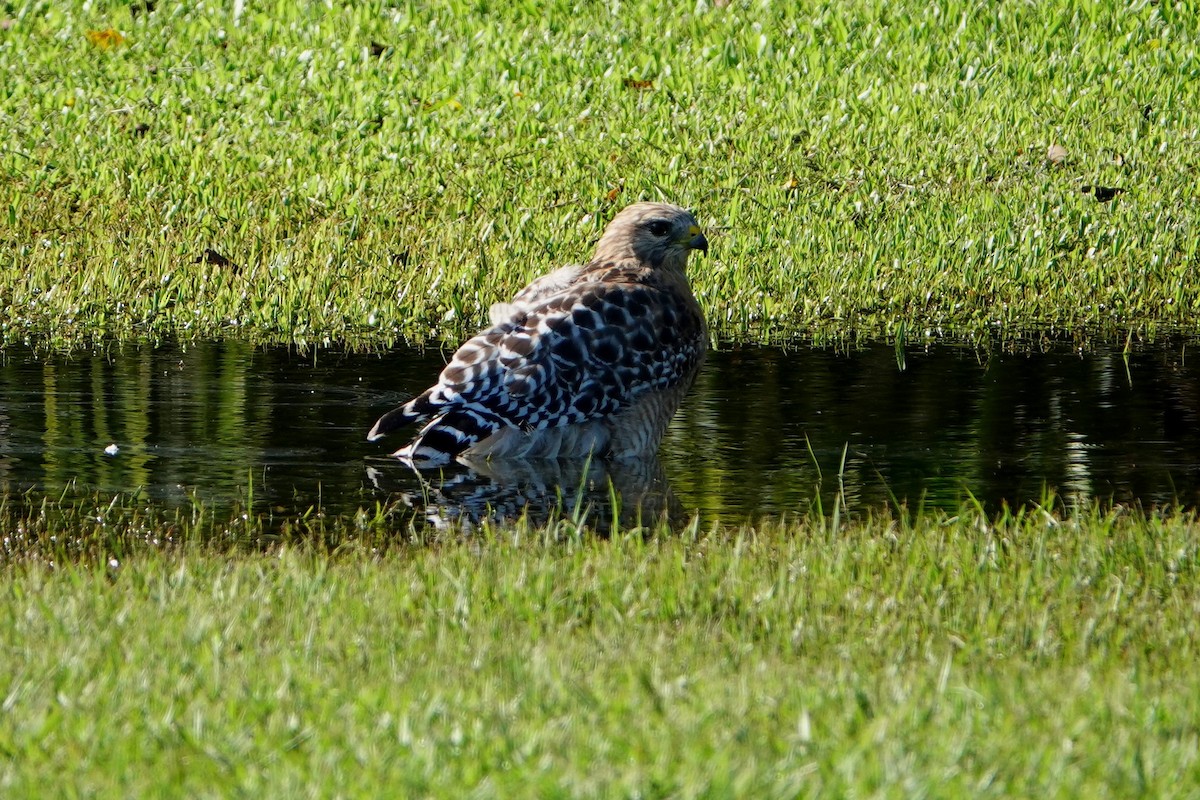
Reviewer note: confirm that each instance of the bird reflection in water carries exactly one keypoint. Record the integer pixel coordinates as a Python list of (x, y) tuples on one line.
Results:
[(606, 497)]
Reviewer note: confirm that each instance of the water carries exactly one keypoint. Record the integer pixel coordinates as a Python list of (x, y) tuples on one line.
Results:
[(765, 432)]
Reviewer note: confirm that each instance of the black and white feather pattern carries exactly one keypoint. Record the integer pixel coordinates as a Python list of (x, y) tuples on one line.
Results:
[(588, 359)]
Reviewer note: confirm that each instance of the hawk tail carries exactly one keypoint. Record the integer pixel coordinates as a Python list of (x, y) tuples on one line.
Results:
[(448, 435), (415, 410)]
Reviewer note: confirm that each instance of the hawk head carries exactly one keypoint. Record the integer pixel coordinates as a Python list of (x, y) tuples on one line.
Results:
[(659, 235)]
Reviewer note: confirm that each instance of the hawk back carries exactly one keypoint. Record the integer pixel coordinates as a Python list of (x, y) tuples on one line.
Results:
[(597, 366)]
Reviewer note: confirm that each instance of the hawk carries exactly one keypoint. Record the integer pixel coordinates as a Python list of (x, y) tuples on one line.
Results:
[(589, 359)]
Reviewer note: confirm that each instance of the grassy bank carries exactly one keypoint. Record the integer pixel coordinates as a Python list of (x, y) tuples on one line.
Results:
[(379, 171), (1018, 656)]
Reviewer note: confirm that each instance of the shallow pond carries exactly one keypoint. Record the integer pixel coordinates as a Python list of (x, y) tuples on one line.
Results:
[(764, 432)]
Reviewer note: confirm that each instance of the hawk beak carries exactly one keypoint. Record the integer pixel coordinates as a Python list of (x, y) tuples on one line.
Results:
[(698, 242)]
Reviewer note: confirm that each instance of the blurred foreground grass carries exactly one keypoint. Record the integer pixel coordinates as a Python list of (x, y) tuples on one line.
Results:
[(377, 171), (1020, 655)]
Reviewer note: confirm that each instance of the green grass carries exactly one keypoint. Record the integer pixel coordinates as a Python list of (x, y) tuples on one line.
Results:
[(864, 169), (1022, 655)]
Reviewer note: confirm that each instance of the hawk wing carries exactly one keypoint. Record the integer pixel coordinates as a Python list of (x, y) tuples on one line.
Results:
[(589, 350), (535, 293)]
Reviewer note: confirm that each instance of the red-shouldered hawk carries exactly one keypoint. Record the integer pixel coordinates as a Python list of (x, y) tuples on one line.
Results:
[(590, 359)]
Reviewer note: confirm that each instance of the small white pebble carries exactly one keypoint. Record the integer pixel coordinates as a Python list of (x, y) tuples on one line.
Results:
[(112, 450)]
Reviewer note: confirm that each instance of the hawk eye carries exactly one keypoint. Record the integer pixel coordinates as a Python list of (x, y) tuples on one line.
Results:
[(658, 227)]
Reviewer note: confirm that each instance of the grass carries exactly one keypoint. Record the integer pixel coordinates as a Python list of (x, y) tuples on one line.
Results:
[(1022, 655), (384, 171), (376, 172)]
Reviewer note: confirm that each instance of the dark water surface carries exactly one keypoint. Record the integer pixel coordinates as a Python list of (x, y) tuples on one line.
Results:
[(764, 432)]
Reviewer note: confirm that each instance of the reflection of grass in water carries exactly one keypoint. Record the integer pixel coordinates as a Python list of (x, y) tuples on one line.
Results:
[(358, 174), (1014, 655)]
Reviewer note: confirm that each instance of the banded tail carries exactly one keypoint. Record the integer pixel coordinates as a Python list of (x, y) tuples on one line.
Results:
[(415, 410), (449, 432)]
